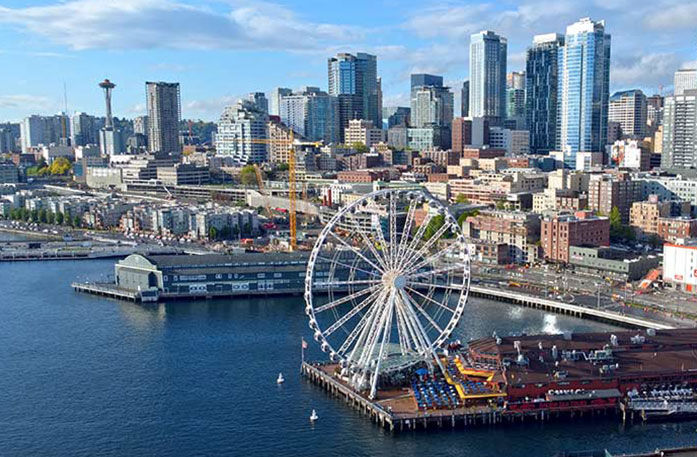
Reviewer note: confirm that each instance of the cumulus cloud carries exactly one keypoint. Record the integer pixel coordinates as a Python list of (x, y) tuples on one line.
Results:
[(145, 24), (673, 15), (648, 70)]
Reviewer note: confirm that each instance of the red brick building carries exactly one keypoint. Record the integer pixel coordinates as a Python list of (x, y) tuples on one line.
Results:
[(671, 229), (482, 153), (580, 229)]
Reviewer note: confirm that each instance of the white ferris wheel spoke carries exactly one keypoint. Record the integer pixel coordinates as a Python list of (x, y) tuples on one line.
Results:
[(346, 317), (346, 299), (447, 269), (440, 286), (414, 268), (355, 251), (406, 231), (392, 218), (430, 242), (435, 302), (425, 314), (352, 267), (369, 243)]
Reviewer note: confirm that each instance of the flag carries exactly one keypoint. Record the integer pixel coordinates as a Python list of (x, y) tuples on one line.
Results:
[(304, 343)]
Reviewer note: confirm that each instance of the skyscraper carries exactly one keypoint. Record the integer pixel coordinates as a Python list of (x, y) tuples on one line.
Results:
[(465, 99), (685, 79), (584, 79), (541, 85), (488, 53), (628, 107), (164, 113), (312, 113), (354, 80), (238, 126), (44, 130), (275, 100), (680, 131)]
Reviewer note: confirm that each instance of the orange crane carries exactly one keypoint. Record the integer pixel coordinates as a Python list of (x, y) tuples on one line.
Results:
[(292, 196)]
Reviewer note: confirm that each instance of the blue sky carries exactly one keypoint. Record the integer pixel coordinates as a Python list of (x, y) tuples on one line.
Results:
[(221, 49)]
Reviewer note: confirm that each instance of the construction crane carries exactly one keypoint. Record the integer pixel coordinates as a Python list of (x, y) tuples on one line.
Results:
[(291, 142)]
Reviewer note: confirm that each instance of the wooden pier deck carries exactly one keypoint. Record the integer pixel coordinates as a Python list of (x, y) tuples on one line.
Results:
[(396, 410)]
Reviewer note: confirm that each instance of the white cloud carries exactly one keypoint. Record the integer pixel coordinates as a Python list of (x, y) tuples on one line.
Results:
[(649, 70), (673, 15), (209, 108), (145, 24), (28, 103)]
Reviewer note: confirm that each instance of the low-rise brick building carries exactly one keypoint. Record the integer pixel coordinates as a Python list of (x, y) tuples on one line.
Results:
[(582, 228)]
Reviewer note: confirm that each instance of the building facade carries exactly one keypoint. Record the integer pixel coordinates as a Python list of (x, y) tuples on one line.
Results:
[(164, 113), (488, 56), (628, 108), (583, 93), (559, 232), (240, 127), (680, 131), (312, 113)]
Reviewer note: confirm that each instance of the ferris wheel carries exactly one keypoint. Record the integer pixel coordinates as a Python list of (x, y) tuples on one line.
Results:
[(386, 284)]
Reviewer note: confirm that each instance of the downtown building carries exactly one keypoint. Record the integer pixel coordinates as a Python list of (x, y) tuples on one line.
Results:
[(583, 91), (432, 107), (353, 80), (240, 127), (44, 130), (680, 131), (515, 100), (164, 113), (561, 231), (312, 113), (487, 88), (628, 109), (541, 85)]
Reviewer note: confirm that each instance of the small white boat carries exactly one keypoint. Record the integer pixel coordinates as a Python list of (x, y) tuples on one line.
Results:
[(314, 416), (280, 379)]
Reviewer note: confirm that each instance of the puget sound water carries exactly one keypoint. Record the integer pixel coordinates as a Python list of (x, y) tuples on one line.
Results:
[(88, 376)]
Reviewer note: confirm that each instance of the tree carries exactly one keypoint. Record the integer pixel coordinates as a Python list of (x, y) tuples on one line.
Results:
[(360, 147), (34, 215), (461, 199), (433, 226), (43, 215), (60, 218), (616, 229), (247, 229), (500, 204), (282, 167), (248, 175), (76, 221), (465, 214), (212, 233), (51, 218), (60, 166)]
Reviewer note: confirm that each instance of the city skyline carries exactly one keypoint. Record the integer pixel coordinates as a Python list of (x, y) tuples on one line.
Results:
[(220, 51)]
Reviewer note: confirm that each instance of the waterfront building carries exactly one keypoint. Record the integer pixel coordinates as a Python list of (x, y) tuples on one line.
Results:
[(583, 93), (353, 80), (488, 54), (561, 231), (680, 131), (163, 103), (312, 113), (239, 126), (519, 231), (608, 262), (629, 109), (680, 265)]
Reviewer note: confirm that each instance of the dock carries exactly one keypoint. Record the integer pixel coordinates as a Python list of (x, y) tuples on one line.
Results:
[(107, 290), (396, 411)]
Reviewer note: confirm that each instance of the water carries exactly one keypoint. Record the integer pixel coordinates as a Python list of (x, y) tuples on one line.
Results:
[(84, 375)]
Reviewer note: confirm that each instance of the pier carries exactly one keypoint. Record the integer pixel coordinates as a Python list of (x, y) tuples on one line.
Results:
[(107, 290), (396, 410)]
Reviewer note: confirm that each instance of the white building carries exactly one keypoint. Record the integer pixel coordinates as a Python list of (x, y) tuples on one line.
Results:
[(514, 142), (363, 132), (685, 79), (240, 127), (680, 266)]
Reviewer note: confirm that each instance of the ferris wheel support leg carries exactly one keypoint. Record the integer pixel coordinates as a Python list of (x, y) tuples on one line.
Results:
[(385, 338)]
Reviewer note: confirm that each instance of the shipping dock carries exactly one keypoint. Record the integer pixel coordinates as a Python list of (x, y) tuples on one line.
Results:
[(639, 375)]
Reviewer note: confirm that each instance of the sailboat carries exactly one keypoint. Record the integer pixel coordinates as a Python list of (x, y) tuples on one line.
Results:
[(280, 379), (314, 416)]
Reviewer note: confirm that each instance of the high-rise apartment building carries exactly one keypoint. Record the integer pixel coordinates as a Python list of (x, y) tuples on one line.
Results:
[(628, 108), (584, 80), (488, 54), (9, 136), (275, 100), (685, 79), (541, 85), (260, 100), (312, 113), (606, 192), (431, 102), (654, 114), (44, 130), (164, 113), (465, 99), (515, 99), (238, 128), (83, 130), (354, 80), (680, 131)]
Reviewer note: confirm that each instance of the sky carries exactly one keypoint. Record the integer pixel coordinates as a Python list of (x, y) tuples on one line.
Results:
[(220, 50)]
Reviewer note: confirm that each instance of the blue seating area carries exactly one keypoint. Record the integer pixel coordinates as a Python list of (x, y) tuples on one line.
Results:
[(431, 394), (475, 387)]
